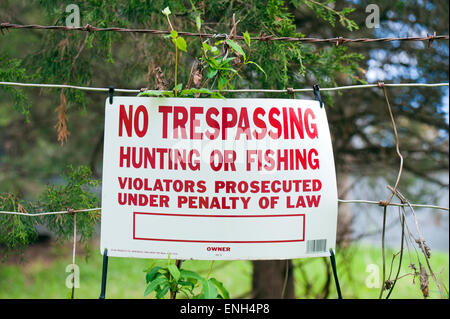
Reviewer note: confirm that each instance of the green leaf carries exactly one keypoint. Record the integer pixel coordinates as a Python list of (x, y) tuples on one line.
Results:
[(209, 289), (160, 294), (179, 87), (446, 290), (186, 92), (155, 283), (205, 91), (173, 269), (217, 95), (207, 47), (226, 61), (186, 283), (247, 38), (194, 91), (218, 60), (181, 44), (168, 93), (211, 73), (221, 288), (151, 274), (166, 11), (222, 82), (174, 34), (236, 47), (89, 40), (198, 22), (259, 67), (228, 69), (185, 293), (211, 62), (187, 274), (151, 93)]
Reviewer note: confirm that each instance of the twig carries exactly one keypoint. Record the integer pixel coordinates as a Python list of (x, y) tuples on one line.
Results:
[(210, 269), (382, 252), (397, 142), (392, 263), (400, 258), (286, 274), (83, 45), (397, 148), (421, 242)]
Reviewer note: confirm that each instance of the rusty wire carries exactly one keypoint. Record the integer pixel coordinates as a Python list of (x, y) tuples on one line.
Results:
[(337, 40)]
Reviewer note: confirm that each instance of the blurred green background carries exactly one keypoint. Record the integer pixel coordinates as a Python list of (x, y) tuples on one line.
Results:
[(43, 274)]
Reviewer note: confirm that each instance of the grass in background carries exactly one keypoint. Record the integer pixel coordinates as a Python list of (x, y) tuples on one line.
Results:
[(353, 273), (43, 277)]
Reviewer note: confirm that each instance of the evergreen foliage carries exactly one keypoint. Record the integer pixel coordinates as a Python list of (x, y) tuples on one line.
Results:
[(77, 192)]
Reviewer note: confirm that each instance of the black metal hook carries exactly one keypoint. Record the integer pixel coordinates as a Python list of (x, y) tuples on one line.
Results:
[(111, 94), (317, 96)]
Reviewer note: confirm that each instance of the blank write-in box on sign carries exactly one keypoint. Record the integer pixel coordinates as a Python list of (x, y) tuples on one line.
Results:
[(219, 228)]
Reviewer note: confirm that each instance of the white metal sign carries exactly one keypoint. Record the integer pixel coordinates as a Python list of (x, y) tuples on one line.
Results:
[(217, 179)]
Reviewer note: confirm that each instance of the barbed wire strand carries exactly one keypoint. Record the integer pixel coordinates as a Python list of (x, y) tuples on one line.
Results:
[(347, 201), (288, 90), (335, 40)]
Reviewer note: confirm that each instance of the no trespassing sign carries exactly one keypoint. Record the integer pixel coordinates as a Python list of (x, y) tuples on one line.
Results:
[(217, 179)]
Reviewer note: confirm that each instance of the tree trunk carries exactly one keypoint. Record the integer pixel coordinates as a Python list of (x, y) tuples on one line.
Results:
[(269, 279), (345, 216)]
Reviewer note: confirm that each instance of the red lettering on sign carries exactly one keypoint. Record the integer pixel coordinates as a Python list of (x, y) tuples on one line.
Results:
[(133, 121), (218, 248), (286, 122)]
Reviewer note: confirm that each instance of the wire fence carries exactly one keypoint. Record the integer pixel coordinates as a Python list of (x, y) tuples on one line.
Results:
[(335, 41), (69, 211), (343, 201), (288, 90)]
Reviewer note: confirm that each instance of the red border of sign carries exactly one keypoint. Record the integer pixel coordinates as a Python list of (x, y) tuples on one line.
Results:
[(219, 241)]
